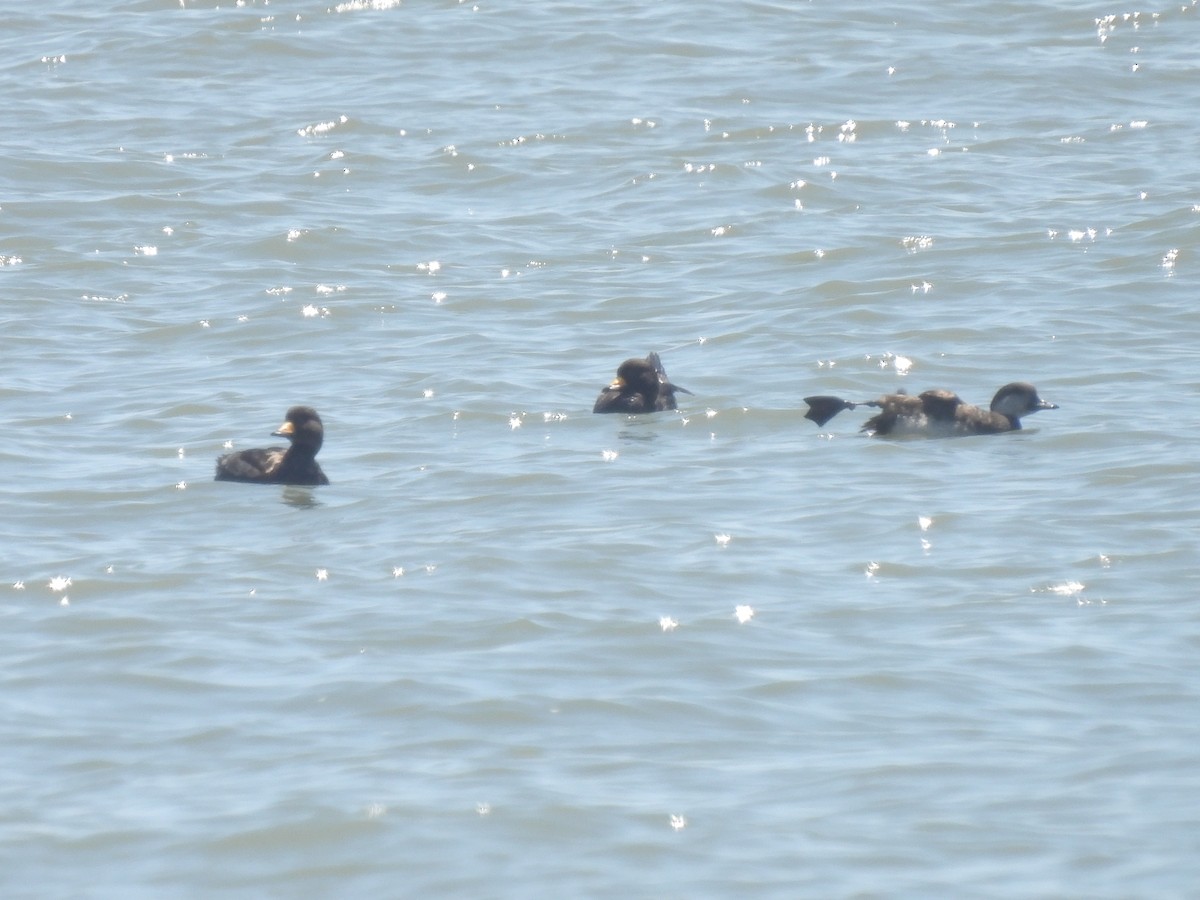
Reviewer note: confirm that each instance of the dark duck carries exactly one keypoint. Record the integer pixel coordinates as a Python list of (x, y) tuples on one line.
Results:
[(297, 464), (641, 386), (937, 413)]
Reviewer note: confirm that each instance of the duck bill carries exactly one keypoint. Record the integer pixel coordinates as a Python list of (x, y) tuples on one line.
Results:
[(617, 384), (679, 390), (1046, 404), (287, 429)]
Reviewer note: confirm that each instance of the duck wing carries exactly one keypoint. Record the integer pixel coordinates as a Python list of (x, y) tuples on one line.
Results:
[(250, 465), (940, 405)]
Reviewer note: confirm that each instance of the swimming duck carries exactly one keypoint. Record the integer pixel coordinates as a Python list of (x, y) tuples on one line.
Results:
[(937, 413), (275, 465), (641, 386)]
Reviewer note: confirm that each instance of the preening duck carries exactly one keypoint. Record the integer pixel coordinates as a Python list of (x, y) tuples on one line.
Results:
[(641, 386), (937, 413)]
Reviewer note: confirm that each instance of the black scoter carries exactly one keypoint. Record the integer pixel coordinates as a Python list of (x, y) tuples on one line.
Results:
[(297, 464), (641, 386)]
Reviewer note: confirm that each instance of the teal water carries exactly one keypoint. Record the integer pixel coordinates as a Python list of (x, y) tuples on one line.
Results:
[(519, 650)]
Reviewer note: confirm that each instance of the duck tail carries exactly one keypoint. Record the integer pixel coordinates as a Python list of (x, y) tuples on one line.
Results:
[(653, 358)]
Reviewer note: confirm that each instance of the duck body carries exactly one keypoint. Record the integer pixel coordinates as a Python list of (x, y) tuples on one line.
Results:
[(641, 386), (295, 464), (937, 413)]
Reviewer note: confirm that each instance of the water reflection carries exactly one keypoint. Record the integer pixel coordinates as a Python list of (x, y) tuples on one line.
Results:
[(300, 497)]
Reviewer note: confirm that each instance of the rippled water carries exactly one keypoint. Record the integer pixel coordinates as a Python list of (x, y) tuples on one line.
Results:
[(519, 650)]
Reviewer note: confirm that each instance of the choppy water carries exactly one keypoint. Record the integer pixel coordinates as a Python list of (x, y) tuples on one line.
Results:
[(504, 654)]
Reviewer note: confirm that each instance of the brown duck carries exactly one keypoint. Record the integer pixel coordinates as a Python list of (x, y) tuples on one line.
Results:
[(937, 413)]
